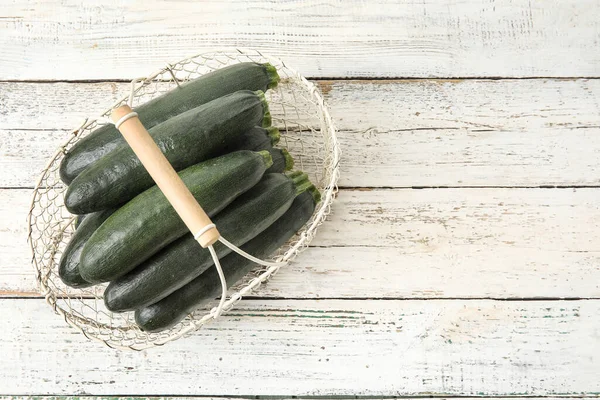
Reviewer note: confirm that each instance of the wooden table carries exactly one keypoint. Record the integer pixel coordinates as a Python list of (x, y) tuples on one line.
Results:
[(463, 254)]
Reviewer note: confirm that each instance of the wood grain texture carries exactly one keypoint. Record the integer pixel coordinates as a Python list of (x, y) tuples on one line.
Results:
[(477, 348), (392, 299), (249, 398), (444, 243), (407, 133), (144, 398), (254, 398), (385, 38)]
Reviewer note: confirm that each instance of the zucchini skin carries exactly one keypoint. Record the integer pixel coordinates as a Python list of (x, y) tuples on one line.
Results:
[(184, 259), (69, 264), (79, 219), (199, 292), (148, 222), (255, 139), (186, 139), (102, 141)]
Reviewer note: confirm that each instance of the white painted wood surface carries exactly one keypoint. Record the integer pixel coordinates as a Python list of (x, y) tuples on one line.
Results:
[(248, 398), (478, 348), (245, 398), (408, 133), (51, 39), (394, 298), (445, 243)]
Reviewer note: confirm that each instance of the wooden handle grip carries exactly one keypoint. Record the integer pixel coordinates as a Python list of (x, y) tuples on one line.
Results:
[(165, 176)]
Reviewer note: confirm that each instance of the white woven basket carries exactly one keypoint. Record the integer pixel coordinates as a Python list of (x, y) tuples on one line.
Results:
[(308, 133)]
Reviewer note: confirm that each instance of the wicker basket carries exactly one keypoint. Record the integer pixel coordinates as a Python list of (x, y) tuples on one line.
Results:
[(297, 109)]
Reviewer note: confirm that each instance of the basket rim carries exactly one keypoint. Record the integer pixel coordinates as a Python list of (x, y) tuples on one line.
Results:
[(319, 215)]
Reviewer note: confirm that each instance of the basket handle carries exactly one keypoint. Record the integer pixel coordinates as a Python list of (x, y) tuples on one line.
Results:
[(159, 168)]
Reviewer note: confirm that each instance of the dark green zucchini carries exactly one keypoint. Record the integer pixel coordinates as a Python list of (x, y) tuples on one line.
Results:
[(68, 267), (259, 138), (173, 308), (100, 142), (148, 223), (186, 139), (282, 161), (79, 219), (256, 139), (184, 260)]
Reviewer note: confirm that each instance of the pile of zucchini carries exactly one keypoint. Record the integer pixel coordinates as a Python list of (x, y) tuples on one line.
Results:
[(216, 132)]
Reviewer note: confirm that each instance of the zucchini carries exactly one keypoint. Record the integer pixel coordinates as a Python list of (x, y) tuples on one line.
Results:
[(282, 161), (184, 259), (259, 138), (68, 267), (173, 308), (79, 219), (186, 139), (256, 139), (100, 142), (148, 223)]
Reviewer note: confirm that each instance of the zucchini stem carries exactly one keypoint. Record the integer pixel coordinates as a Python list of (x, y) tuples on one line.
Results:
[(303, 184), (266, 122), (300, 180), (294, 174), (274, 135), (289, 160), (267, 158), (273, 76), (314, 192)]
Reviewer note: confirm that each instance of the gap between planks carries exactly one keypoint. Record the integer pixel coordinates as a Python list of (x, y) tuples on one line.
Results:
[(432, 396), (325, 80), (368, 188), (383, 188), (7, 295)]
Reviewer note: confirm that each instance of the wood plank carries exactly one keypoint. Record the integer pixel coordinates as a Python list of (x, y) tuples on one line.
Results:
[(25, 153), (409, 133), (137, 397), (123, 39), (254, 398), (401, 348), (434, 243), (385, 105)]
